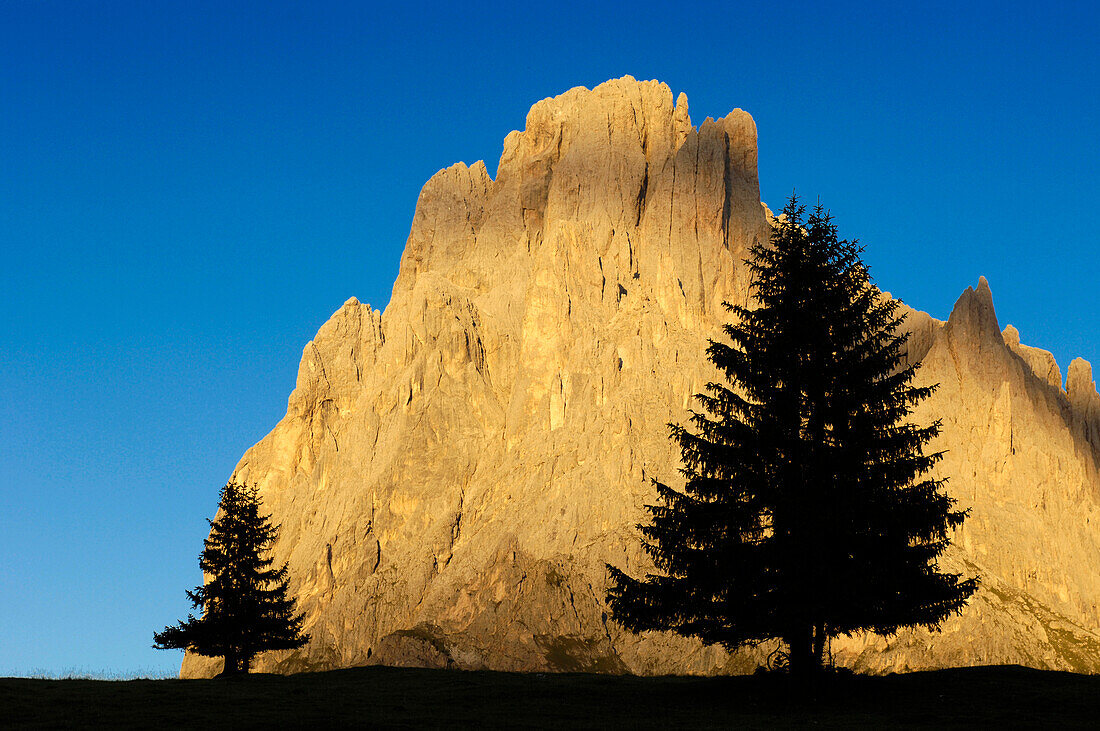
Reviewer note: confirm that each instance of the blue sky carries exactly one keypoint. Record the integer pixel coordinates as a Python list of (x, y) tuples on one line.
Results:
[(188, 190)]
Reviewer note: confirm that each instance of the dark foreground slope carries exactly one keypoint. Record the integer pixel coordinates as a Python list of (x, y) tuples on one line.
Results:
[(985, 696)]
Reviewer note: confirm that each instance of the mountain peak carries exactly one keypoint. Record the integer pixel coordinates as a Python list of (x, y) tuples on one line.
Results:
[(453, 476), (974, 316)]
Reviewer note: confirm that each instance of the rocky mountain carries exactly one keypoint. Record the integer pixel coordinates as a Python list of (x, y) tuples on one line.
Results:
[(453, 473)]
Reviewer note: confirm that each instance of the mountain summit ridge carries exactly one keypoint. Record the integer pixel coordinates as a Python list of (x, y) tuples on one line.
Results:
[(453, 473)]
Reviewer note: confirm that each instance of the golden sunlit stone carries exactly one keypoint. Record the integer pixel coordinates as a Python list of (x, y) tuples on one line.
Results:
[(452, 474)]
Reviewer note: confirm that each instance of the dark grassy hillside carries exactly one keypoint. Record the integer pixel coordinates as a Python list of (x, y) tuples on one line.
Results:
[(990, 696)]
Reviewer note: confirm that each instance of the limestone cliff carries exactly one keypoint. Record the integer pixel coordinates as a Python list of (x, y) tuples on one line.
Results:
[(452, 474)]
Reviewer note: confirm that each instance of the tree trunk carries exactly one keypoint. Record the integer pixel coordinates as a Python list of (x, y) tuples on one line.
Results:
[(232, 664), (819, 645), (801, 659)]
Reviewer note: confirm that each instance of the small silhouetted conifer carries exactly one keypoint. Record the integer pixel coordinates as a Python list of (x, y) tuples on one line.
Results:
[(244, 603), (807, 511)]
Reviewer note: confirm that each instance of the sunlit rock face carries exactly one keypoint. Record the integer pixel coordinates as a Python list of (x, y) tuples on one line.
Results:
[(453, 473)]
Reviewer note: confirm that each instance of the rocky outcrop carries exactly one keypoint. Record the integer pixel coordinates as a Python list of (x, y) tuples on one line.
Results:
[(453, 474), (1018, 455)]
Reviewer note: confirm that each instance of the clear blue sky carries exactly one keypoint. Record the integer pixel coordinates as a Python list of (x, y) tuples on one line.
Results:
[(189, 189)]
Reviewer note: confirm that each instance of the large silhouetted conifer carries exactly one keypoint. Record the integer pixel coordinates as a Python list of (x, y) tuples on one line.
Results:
[(807, 511), (244, 603)]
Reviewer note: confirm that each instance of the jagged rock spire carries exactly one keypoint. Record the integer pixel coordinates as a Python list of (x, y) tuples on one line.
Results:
[(453, 474)]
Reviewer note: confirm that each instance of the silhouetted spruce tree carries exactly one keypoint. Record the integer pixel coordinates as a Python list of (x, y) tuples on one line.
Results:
[(244, 603), (807, 512)]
